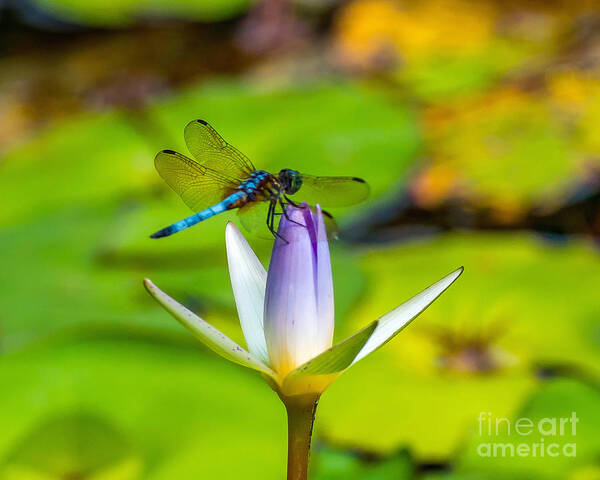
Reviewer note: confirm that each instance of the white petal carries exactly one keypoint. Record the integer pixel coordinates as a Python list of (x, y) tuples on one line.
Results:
[(248, 280), (206, 333), (393, 322)]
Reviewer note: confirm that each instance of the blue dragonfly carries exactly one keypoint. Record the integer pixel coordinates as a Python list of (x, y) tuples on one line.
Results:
[(222, 178)]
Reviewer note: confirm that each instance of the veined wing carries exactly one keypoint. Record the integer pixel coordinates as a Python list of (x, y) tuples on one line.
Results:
[(199, 186), (209, 148), (332, 191), (253, 216)]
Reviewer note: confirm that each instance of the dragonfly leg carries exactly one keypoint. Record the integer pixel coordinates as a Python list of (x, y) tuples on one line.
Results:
[(271, 220), (286, 215), (291, 202)]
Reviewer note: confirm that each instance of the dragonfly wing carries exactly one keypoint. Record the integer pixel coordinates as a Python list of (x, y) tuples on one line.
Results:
[(199, 186), (253, 216), (209, 148), (331, 226), (332, 191)]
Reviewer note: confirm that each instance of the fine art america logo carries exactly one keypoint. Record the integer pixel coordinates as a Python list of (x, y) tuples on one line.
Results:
[(545, 437)]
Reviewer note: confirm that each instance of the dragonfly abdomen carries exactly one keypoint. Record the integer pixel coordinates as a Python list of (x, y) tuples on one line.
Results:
[(234, 200)]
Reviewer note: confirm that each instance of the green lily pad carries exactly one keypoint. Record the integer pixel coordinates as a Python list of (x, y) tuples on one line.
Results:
[(330, 129), (75, 445), (477, 348), (73, 163), (80, 290), (550, 448), (185, 413), (442, 77), (502, 300), (473, 476), (380, 406), (332, 464), (355, 123), (82, 162), (82, 207), (115, 13), (489, 142), (53, 281)]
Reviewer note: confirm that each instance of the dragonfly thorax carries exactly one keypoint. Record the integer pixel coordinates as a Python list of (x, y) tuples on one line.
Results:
[(260, 184), (290, 180)]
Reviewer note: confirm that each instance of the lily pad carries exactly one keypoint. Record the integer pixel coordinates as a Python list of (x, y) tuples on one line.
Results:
[(114, 13), (74, 164), (551, 448), (489, 142), (82, 288), (477, 348), (330, 128), (186, 414), (354, 123), (335, 464), (473, 476), (75, 445), (82, 208)]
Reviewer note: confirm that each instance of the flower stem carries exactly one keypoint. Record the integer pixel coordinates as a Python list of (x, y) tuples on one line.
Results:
[(301, 416)]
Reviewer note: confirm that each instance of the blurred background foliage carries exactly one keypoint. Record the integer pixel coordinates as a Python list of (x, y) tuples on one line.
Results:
[(475, 123)]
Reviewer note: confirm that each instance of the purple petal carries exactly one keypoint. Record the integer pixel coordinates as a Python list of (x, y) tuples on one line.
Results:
[(299, 296), (324, 280)]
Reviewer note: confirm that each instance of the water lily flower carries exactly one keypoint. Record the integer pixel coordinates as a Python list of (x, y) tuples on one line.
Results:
[(287, 317)]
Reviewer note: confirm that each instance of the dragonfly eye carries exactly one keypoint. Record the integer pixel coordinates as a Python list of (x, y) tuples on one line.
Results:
[(291, 180)]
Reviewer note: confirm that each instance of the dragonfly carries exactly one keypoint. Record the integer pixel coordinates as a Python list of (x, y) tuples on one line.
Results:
[(221, 178)]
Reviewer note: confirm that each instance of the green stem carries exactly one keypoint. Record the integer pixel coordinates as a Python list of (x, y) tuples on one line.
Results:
[(301, 416)]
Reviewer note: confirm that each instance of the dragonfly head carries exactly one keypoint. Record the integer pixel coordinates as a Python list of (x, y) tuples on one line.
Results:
[(290, 180)]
